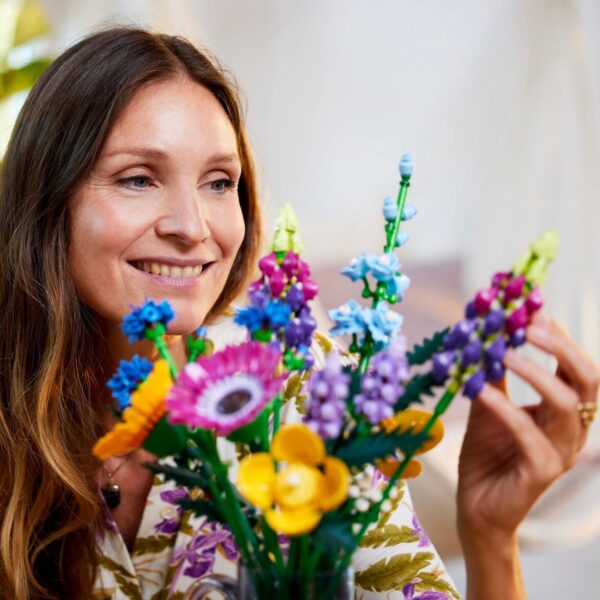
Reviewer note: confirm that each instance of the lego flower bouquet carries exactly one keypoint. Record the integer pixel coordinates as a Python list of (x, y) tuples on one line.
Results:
[(304, 490)]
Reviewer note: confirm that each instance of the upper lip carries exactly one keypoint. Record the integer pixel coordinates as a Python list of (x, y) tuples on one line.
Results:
[(175, 262)]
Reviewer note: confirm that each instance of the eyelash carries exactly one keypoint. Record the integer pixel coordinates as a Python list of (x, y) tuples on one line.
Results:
[(228, 184)]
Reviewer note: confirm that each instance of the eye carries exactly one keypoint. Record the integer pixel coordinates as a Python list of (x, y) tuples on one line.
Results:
[(222, 185), (137, 182)]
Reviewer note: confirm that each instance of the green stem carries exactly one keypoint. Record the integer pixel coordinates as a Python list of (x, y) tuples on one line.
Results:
[(164, 353), (391, 241), (276, 413), (440, 408)]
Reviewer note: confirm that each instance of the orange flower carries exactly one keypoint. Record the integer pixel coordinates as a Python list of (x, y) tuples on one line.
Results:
[(146, 410)]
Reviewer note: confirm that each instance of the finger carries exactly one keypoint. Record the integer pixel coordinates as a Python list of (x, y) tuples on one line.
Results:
[(544, 461), (561, 420), (576, 365)]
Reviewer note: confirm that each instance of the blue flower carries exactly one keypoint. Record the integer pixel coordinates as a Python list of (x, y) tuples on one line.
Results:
[(201, 332), (390, 209), (278, 313), (383, 267), (250, 317), (382, 322), (406, 166), (348, 319), (139, 319), (357, 268), (409, 211), (127, 378), (402, 239), (398, 286)]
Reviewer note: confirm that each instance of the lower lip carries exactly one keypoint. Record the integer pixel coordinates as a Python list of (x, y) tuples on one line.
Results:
[(181, 282)]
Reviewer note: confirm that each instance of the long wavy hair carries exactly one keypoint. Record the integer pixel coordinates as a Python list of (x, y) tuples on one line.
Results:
[(50, 347)]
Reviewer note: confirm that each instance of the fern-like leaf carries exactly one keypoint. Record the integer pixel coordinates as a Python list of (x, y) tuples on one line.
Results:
[(424, 351)]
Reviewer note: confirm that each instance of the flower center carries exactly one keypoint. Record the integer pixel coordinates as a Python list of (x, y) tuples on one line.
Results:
[(233, 401)]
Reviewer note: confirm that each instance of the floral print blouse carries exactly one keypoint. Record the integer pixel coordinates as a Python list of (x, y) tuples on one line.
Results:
[(396, 560), (173, 548)]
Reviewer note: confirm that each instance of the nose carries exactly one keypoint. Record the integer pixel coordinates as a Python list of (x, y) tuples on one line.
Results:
[(184, 217)]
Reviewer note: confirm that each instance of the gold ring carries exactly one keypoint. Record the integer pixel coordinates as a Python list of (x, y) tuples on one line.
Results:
[(587, 412)]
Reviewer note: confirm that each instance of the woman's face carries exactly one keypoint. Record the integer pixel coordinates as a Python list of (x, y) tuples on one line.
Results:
[(159, 216)]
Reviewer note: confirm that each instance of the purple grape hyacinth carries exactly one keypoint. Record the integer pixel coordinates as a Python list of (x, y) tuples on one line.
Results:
[(327, 392), (382, 384)]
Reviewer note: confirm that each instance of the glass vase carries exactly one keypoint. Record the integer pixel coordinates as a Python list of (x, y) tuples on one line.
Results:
[(252, 585)]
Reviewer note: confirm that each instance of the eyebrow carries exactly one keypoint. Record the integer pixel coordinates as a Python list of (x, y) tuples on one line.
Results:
[(157, 154)]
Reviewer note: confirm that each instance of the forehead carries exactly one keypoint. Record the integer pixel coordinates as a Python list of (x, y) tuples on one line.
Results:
[(175, 115)]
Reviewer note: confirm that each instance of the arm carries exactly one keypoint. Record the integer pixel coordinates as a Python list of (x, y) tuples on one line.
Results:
[(512, 454)]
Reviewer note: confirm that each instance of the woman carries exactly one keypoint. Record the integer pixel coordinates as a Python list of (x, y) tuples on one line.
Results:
[(128, 175)]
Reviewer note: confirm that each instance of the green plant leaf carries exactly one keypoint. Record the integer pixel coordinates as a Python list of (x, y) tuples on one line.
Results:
[(419, 385), (203, 508), (180, 475), (424, 351), (17, 80), (31, 23), (393, 573), (334, 534), (388, 535), (365, 450)]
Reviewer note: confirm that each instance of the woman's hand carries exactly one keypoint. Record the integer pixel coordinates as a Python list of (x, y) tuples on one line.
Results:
[(511, 454)]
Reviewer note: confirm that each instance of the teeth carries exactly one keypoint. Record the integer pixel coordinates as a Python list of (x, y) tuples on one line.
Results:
[(169, 271)]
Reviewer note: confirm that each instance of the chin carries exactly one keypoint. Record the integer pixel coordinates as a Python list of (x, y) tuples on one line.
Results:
[(187, 318)]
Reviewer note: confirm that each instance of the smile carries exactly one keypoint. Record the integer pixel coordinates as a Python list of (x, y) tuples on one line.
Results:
[(172, 274)]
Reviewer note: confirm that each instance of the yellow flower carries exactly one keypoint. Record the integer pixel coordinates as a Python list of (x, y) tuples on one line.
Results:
[(146, 410), (415, 420), (305, 484)]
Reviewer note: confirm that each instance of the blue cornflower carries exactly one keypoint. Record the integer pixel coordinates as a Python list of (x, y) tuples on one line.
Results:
[(409, 211), (357, 268), (398, 286), (127, 378), (382, 322), (348, 319), (139, 319), (250, 317), (278, 313), (390, 209), (383, 267)]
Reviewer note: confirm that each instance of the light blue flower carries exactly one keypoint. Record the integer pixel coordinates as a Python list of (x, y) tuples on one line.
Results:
[(382, 322), (402, 238), (406, 166), (357, 268), (390, 209), (383, 267), (348, 318), (398, 286), (409, 211)]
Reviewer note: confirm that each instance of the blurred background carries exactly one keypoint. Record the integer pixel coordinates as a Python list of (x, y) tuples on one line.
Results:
[(498, 103)]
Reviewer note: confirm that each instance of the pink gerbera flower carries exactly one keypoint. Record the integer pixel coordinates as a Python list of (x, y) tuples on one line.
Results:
[(226, 390)]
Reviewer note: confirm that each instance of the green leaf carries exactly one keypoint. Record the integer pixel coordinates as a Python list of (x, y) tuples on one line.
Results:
[(179, 475), (424, 351), (153, 544), (365, 450), (419, 385), (17, 80), (203, 508), (388, 535), (334, 534), (393, 573), (31, 23)]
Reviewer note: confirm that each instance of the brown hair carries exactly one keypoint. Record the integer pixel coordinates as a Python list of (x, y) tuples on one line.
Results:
[(50, 511)]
